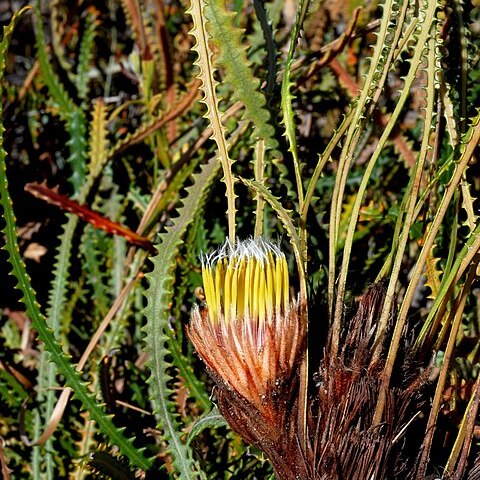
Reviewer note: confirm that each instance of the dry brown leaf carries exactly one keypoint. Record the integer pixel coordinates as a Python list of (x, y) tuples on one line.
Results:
[(35, 252)]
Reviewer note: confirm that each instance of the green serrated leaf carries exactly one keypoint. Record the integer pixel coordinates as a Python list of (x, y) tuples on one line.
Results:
[(211, 419), (47, 372), (45, 334), (232, 56), (287, 98), (57, 297), (55, 87), (87, 50), (284, 216), (211, 100), (157, 312), (70, 113)]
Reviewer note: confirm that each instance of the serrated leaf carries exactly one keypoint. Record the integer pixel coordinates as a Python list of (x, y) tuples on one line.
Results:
[(432, 273), (87, 50), (284, 216), (46, 379), (55, 87), (70, 113), (211, 100), (287, 98), (211, 419), (61, 279), (232, 56), (159, 296), (467, 205), (45, 334)]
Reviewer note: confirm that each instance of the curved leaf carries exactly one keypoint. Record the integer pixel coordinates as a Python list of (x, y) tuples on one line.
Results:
[(212, 419), (45, 334), (233, 57), (157, 312), (211, 100)]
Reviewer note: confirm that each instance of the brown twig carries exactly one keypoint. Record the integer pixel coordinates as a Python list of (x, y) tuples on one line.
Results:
[(334, 50), (164, 44), (181, 107), (472, 415), (29, 80)]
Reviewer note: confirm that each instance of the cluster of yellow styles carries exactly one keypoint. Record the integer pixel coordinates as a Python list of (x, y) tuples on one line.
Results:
[(246, 281), (251, 333)]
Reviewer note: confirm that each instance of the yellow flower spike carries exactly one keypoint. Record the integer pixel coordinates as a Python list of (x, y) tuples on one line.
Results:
[(278, 286), (270, 295), (256, 284), (209, 290), (261, 295), (227, 292), (286, 288), (246, 282), (251, 336)]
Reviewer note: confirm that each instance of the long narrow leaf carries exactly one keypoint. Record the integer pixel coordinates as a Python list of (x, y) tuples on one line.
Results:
[(63, 363), (159, 296)]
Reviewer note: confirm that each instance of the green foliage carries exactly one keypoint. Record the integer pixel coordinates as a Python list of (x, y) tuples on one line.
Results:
[(72, 377), (211, 100), (353, 145), (211, 419), (233, 57), (86, 54), (157, 312), (287, 99)]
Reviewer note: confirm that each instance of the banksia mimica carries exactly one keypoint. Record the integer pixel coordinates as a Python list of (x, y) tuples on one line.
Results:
[(251, 336)]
